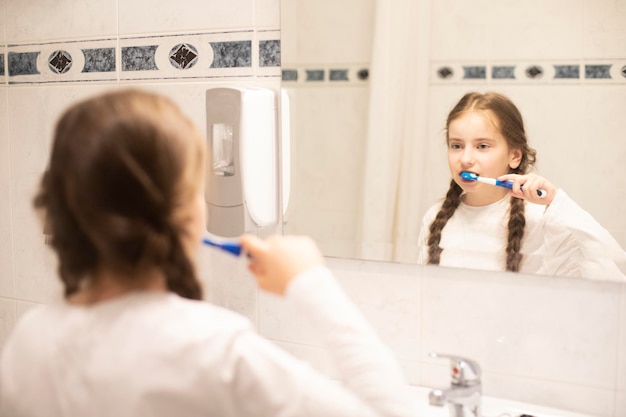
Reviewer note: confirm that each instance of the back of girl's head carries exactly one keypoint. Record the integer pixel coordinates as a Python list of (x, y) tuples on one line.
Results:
[(506, 117), (123, 168)]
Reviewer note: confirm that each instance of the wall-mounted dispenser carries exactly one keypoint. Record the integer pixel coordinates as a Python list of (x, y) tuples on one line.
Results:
[(241, 183)]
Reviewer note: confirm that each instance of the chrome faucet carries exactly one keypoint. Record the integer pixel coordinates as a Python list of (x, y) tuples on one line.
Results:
[(463, 395)]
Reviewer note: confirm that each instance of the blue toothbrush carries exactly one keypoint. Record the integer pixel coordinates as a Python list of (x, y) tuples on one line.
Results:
[(230, 245), (470, 176)]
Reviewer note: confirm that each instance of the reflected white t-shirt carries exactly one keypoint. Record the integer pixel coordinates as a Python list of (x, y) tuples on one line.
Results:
[(160, 355), (559, 239)]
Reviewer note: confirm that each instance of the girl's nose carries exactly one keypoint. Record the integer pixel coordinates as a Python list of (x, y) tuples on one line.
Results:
[(467, 158)]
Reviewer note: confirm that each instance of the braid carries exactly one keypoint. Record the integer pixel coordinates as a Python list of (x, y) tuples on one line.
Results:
[(517, 223), (452, 201), (180, 274)]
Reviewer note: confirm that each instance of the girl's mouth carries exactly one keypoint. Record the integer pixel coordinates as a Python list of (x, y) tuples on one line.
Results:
[(467, 181)]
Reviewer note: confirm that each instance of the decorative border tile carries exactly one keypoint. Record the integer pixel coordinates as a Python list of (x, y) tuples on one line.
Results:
[(539, 72), (180, 56), (61, 62), (267, 56), (323, 75)]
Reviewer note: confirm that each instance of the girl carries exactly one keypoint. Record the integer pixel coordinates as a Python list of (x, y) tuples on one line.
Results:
[(123, 196), (486, 227)]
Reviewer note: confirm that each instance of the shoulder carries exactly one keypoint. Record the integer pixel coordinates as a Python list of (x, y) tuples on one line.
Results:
[(202, 316)]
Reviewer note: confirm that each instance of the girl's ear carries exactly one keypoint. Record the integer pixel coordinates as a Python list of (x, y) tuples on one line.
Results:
[(515, 158)]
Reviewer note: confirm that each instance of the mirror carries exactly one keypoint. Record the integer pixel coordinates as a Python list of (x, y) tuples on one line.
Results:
[(363, 175)]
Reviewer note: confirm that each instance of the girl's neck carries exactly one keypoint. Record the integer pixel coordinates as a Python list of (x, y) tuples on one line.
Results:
[(480, 199), (106, 285)]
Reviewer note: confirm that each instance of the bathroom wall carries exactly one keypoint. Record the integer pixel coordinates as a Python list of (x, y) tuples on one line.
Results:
[(55, 52), (551, 341)]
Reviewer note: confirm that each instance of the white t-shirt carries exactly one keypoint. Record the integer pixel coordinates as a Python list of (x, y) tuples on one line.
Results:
[(559, 239), (157, 354)]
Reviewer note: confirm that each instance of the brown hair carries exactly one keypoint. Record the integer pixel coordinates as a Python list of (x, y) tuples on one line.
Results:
[(123, 167), (509, 121)]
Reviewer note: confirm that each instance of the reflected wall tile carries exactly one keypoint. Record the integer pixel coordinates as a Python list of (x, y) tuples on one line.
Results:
[(520, 328), (32, 115), (330, 160), (460, 30), (162, 16), (601, 120), (62, 19), (7, 283), (620, 404), (538, 29), (603, 25)]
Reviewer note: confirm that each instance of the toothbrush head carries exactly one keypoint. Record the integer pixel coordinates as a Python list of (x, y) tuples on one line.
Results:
[(469, 176)]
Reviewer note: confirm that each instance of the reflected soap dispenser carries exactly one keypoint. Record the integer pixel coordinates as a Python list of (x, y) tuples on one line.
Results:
[(241, 183)]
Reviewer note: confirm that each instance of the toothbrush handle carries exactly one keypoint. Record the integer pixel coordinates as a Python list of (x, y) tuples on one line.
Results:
[(509, 184)]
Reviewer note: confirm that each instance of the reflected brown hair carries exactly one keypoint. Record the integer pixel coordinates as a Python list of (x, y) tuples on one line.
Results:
[(123, 168), (508, 120)]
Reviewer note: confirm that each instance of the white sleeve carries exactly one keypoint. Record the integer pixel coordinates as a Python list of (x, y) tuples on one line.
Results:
[(577, 241), (266, 381)]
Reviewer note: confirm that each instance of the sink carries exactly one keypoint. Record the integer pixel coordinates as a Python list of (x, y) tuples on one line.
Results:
[(491, 407)]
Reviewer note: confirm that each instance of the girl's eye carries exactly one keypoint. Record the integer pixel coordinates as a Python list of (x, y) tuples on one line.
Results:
[(483, 146), (455, 146)]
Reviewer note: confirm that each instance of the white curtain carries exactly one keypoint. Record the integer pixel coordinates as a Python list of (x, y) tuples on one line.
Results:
[(394, 153)]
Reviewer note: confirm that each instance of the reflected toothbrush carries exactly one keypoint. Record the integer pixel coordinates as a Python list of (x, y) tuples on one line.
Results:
[(230, 245), (470, 176)]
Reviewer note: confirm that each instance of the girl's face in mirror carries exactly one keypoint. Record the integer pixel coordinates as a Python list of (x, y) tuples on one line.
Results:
[(475, 144)]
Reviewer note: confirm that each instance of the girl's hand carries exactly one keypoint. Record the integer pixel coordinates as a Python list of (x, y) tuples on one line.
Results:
[(531, 183), (278, 259)]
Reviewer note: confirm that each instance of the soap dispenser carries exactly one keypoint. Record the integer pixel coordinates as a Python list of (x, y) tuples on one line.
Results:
[(241, 181)]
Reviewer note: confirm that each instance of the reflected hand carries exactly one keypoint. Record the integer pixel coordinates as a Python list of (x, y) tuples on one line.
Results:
[(531, 183), (278, 259)]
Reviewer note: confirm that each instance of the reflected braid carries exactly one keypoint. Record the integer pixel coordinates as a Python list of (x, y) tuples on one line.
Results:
[(452, 201), (517, 218), (516, 225)]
